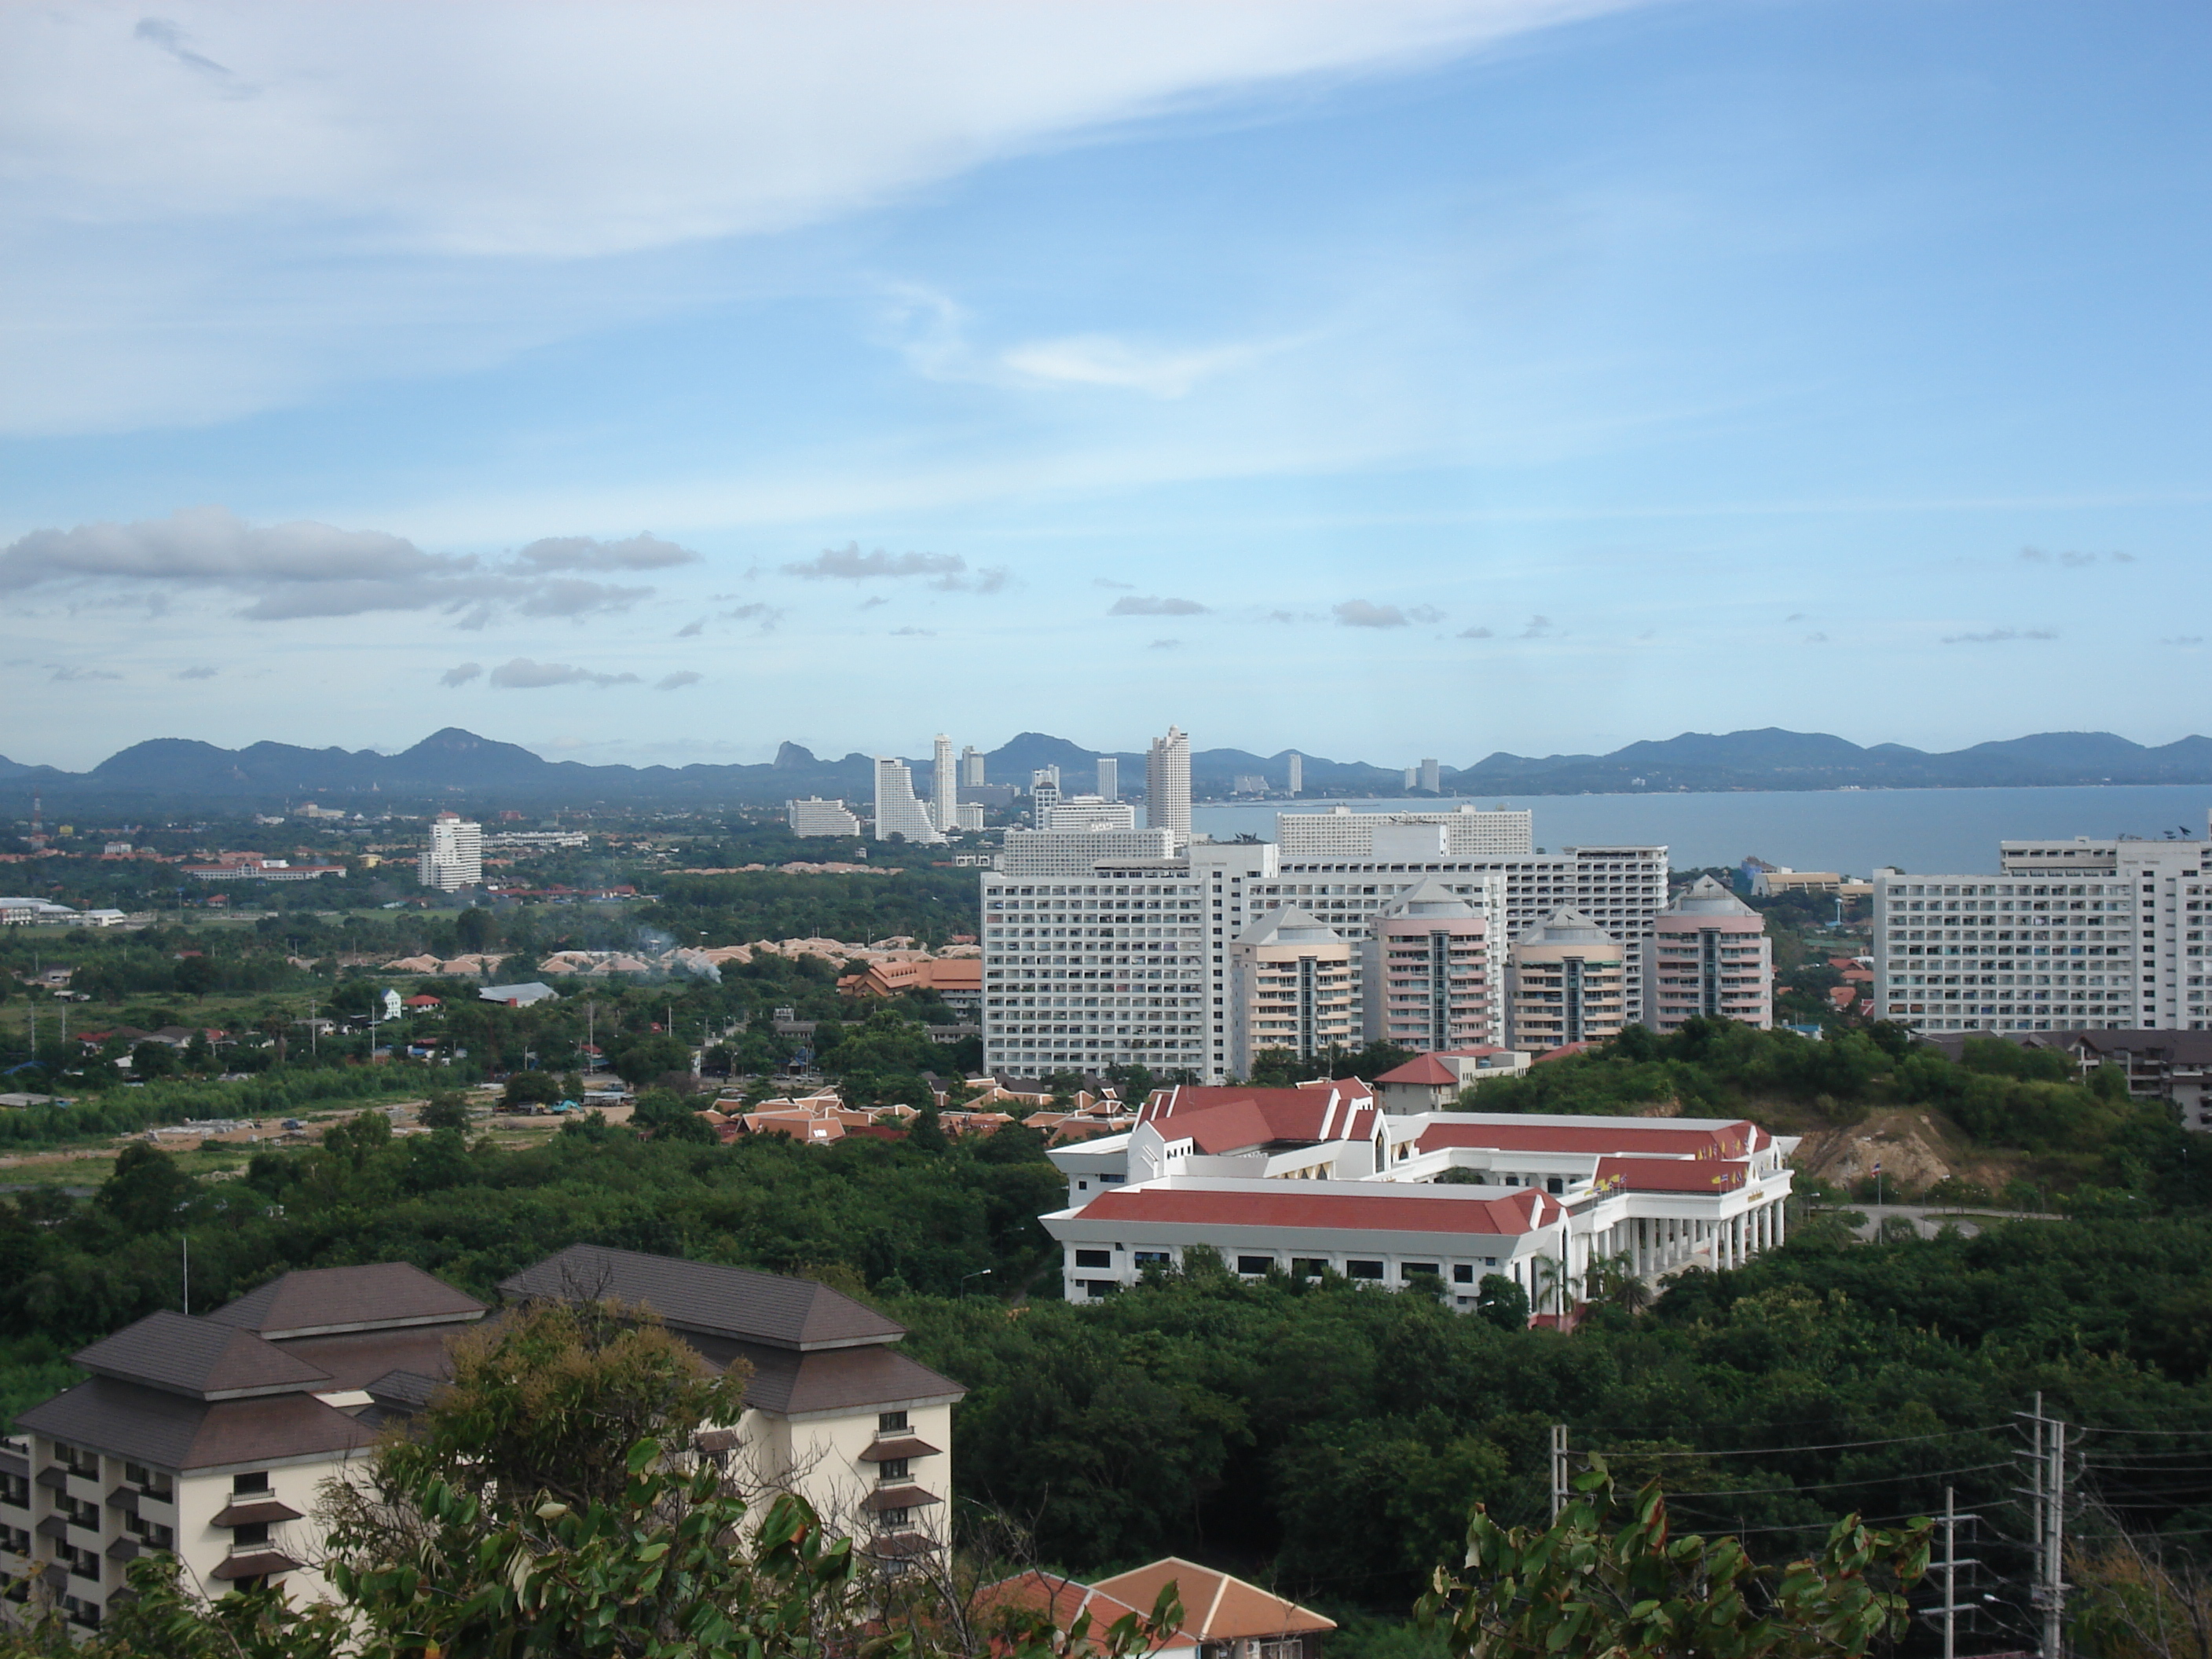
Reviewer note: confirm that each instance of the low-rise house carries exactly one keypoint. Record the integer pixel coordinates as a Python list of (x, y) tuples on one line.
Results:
[(1430, 1082), (1222, 1618), (210, 1437)]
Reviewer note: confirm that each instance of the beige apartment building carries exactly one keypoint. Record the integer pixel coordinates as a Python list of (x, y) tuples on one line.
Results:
[(1290, 987), (1566, 981)]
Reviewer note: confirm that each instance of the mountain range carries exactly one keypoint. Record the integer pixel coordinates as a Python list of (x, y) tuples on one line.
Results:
[(457, 766)]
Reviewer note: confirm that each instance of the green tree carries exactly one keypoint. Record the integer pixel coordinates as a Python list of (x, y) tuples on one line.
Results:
[(1642, 1593), (146, 1190), (531, 1089), (476, 930), (447, 1109), (1502, 1303), (666, 1116), (149, 1061)]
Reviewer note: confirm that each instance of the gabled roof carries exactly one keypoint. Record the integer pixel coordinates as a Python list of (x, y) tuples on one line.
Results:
[(174, 1431), (1313, 1206), (1288, 926), (323, 1301), (1654, 1137), (1673, 1175), (708, 1298), (1226, 1119), (1215, 1608), (197, 1357), (1422, 1069), (1428, 899)]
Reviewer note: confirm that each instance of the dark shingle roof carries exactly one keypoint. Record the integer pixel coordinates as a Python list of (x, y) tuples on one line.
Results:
[(172, 1432), (323, 1301), (837, 1380), (701, 1298), (196, 1357)]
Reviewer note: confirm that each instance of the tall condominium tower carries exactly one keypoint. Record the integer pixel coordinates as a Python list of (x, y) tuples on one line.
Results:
[(1432, 777), (1167, 784), (1298, 773), (1708, 956), (454, 858), (1110, 778), (1044, 796), (897, 811), (971, 767), (944, 786)]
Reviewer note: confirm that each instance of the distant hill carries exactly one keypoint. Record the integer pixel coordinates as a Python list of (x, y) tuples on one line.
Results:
[(459, 767)]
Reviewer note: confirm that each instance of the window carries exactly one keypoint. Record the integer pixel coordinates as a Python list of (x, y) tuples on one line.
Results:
[(1150, 1258), (256, 1481), (1357, 1269), (892, 1520), (254, 1533), (893, 1469), (1463, 1273), (891, 1422), (151, 1482), (16, 1491), (1307, 1267), (1256, 1264), (1409, 1269), (1094, 1258)]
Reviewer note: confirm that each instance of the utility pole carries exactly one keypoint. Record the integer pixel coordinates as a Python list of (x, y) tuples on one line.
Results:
[(2047, 1488), (1948, 1567), (1559, 1470)]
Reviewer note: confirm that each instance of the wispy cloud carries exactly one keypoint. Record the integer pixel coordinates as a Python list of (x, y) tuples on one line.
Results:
[(2071, 559), (1165, 645), (691, 630), (1358, 613), (524, 675), (948, 573), (911, 633), (1140, 605), (200, 672), (1539, 628), (2184, 639), (1475, 634), (767, 616), (301, 569), (2000, 636), (461, 673), (1102, 359), (678, 680), (1108, 581), (66, 671)]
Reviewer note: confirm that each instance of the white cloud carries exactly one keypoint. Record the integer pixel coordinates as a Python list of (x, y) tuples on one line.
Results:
[(1101, 360), (678, 680), (461, 673), (1999, 637), (524, 675), (183, 190), (948, 572), (1357, 613), (289, 571), (1145, 606)]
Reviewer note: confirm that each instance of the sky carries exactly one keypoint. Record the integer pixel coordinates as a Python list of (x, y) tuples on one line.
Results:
[(659, 383)]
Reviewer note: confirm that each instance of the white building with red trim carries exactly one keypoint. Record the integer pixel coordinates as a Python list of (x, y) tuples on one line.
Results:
[(1315, 1179)]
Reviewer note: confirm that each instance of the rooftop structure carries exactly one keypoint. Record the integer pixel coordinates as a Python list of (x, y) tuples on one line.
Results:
[(1341, 832)]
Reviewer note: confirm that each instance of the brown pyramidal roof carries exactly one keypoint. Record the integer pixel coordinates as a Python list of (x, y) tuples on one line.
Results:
[(1215, 1608), (708, 1298), (323, 1301), (183, 1355)]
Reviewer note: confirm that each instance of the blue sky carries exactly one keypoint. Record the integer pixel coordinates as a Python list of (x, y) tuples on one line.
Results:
[(659, 383)]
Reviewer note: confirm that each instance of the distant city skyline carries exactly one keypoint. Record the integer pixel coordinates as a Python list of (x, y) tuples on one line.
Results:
[(1592, 370)]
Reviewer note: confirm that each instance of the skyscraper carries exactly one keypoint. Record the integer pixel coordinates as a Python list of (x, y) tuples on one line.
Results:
[(1110, 778), (1298, 773), (1044, 795), (971, 767), (1167, 784), (454, 858), (897, 811), (943, 788), (1432, 777)]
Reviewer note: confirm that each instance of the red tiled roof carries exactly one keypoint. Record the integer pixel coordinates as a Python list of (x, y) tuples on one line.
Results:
[(1423, 1069), (1562, 1052), (1633, 1134), (1411, 1209), (1668, 1174), (1322, 1110)]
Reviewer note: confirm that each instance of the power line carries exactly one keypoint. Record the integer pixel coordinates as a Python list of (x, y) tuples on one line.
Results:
[(1869, 1480), (1833, 1445)]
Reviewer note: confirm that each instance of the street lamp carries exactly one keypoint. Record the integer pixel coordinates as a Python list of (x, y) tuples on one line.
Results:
[(980, 1272)]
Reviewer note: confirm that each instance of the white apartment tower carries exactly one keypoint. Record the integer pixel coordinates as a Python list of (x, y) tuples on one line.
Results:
[(1432, 777), (817, 817), (1044, 796), (971, 767), (1167, 784), (897, 811), (2070, 934), (1298, 773), (454, 858), (1342, 833), (943, 788), (1110, 778)]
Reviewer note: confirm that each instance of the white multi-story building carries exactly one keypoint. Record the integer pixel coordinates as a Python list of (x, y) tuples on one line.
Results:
[(1044, 796), (1110, 778), (1708, 957), (1297, 780), (1315, 1179), (971, 767), (817, 817), (1167, 784), (2070, 935), (897, 811), (1291, 987), (1070, 853), (454, 858), (1432, 777), (1426, 975), (1053, 933), (1091, 812), (1342, 833), (944, 786), (968, 815)]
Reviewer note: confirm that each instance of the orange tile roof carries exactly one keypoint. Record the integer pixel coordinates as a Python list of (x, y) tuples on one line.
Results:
[(1215, 1608), (1413, 1208)]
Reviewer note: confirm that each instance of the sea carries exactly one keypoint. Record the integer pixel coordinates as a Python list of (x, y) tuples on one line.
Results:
[(1849, 830)]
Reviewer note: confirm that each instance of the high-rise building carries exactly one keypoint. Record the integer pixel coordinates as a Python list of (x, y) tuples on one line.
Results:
[(1340, 832), (1071, 851), (1432, 777), (944, 786), (1044, 796), (970, 815), (1708, 956), (454, 858), (971, 767), (1425, 976), (1167, 784), (817, 817), (1413, 778), (1089, 812), (2070, 934), (1298, 773), (897, 811), (1290, 988), (1110, 778), (1566, 981)]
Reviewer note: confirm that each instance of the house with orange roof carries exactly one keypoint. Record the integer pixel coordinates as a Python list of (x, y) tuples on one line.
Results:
[(1222, 1617), (1432, 1081)]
